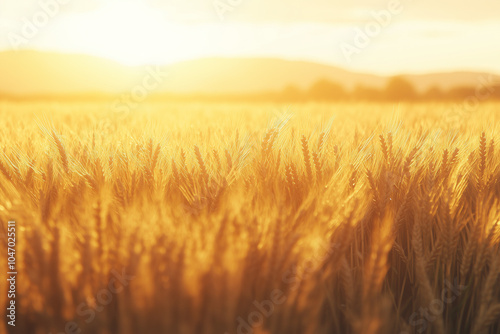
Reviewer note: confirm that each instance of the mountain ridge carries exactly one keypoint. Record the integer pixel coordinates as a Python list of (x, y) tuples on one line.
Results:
[(30, 72)]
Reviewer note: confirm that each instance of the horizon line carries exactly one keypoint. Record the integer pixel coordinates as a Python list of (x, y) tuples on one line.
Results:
[(260, 57)]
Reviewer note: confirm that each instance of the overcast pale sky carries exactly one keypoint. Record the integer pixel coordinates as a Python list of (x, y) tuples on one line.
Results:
[(421, 36)]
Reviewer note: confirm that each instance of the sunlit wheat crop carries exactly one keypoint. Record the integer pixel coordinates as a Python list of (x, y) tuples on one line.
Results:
[(343, 218)]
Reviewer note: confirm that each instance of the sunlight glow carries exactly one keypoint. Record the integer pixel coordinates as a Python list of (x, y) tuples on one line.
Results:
[(131, 33)]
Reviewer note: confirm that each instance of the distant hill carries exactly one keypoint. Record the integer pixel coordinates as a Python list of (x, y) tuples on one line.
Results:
[(36, 73)]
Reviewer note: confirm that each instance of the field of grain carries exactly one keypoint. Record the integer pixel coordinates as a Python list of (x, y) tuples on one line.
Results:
[(315, 218)]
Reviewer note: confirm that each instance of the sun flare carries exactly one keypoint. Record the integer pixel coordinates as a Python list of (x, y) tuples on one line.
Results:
[(132, 33)]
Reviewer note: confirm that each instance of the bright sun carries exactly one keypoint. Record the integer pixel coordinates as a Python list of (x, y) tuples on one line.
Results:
[(133, 33)]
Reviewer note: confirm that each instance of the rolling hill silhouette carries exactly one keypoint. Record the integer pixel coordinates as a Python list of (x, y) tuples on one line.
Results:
[(38, 73)]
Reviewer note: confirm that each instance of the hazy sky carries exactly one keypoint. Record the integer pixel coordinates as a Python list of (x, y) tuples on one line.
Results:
[(380, 36)]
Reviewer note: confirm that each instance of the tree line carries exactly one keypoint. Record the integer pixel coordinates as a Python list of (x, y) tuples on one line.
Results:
[(397, 88)]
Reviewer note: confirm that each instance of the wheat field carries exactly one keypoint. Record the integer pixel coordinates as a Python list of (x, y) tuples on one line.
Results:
[(314, 218)]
